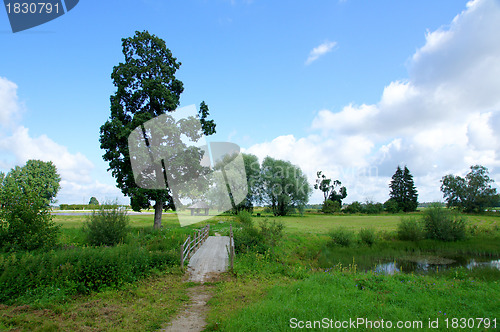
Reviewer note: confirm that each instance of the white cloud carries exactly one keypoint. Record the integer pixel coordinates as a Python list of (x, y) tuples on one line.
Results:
[(18, 146), (9, 104), (444, 118), (320, 50)]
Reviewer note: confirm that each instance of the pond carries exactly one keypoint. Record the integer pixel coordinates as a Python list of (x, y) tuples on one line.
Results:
[(426, 264)]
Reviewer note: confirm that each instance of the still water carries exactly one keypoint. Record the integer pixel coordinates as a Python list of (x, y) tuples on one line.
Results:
[(424, 265)]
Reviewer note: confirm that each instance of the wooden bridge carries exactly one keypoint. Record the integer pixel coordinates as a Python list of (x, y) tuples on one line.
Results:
[(207, 255)]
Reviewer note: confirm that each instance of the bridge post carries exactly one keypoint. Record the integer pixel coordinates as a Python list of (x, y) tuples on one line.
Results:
[(182, 256)]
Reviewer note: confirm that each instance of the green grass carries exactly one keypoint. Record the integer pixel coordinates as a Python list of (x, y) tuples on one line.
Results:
[(341, 296), (266, 290), (143, 306)]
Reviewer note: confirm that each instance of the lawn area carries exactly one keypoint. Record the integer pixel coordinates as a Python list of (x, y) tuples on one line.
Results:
[(322, 224), (305, 276)]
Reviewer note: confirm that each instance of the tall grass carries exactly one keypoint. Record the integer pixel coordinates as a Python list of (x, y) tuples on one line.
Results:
[(341, 296)]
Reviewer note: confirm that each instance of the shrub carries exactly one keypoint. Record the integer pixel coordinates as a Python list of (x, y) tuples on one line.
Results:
[(367, 236), (443, 224), (108, 225), (373, 208), (250, 238), (342, 236), (354, 207), (79, 270), (27, 222), (330, 206), (410, 229), (244, 217), (391, 206)]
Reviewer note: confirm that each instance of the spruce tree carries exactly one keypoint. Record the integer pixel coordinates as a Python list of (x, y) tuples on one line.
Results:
[(403, 190), (410, 192)]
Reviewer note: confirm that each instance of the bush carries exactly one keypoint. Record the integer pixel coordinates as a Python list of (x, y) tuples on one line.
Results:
[(443, 224), (244, 217), (252, 239), (106, 226), (391, 206), (342, 236), (410, 229), (373, 208), (354, 207), (79, 270), (367, 236), (331, 206), (27, 222)]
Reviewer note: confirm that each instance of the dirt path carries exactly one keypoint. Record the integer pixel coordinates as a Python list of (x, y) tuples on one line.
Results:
[(207, 263), (192, 318)]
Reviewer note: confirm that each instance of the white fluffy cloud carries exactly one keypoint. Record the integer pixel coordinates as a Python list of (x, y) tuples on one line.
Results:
[(320, 50), (444, 118), (9, 105), (17, 146)]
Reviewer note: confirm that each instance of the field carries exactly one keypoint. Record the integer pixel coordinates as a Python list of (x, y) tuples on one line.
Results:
[(304, 277)]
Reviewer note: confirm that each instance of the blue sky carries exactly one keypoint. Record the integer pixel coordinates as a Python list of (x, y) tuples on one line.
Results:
[(353, 88)]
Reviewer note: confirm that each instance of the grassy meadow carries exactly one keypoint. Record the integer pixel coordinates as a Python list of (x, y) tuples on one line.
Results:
[(305, 277)]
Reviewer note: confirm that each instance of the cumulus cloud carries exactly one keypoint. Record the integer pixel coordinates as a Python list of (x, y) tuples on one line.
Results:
[(17, 146), (9, 104), (319, 51), (442, 119)]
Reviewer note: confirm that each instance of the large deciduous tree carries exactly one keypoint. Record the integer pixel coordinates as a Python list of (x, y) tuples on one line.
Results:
[(403, 190), (252, 171), (25, 195), (284, 186), (37, 177), (472, 193), (146, 87)]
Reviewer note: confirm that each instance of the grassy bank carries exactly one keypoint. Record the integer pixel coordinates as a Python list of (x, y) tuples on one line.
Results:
[(305, 277)]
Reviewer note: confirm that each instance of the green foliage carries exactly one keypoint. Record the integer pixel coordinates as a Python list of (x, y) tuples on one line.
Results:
[(93, 201), (373, 208), (443, 224), (410, 229), (87, 206), (250, 238), (27, 223), (354, 207), (244, 217), (472, 193), (391, 206), (331, 206), (79, 270), (367, 236), (25, 195), (342, 236), (252, 171), (108, 225), (403, 190), (146, 87), (284, 186), (328, 187), (37, 177)]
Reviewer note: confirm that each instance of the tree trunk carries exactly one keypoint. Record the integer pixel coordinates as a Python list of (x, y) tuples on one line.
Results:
[(158, 211)]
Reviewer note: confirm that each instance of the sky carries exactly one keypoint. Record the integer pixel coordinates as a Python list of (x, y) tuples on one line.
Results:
[(351, 88)]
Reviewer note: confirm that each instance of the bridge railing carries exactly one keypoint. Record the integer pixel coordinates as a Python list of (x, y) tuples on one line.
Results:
[(192, 243), (230, 250)]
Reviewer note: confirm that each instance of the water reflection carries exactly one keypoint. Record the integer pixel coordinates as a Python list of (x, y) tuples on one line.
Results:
[(429, 265)]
